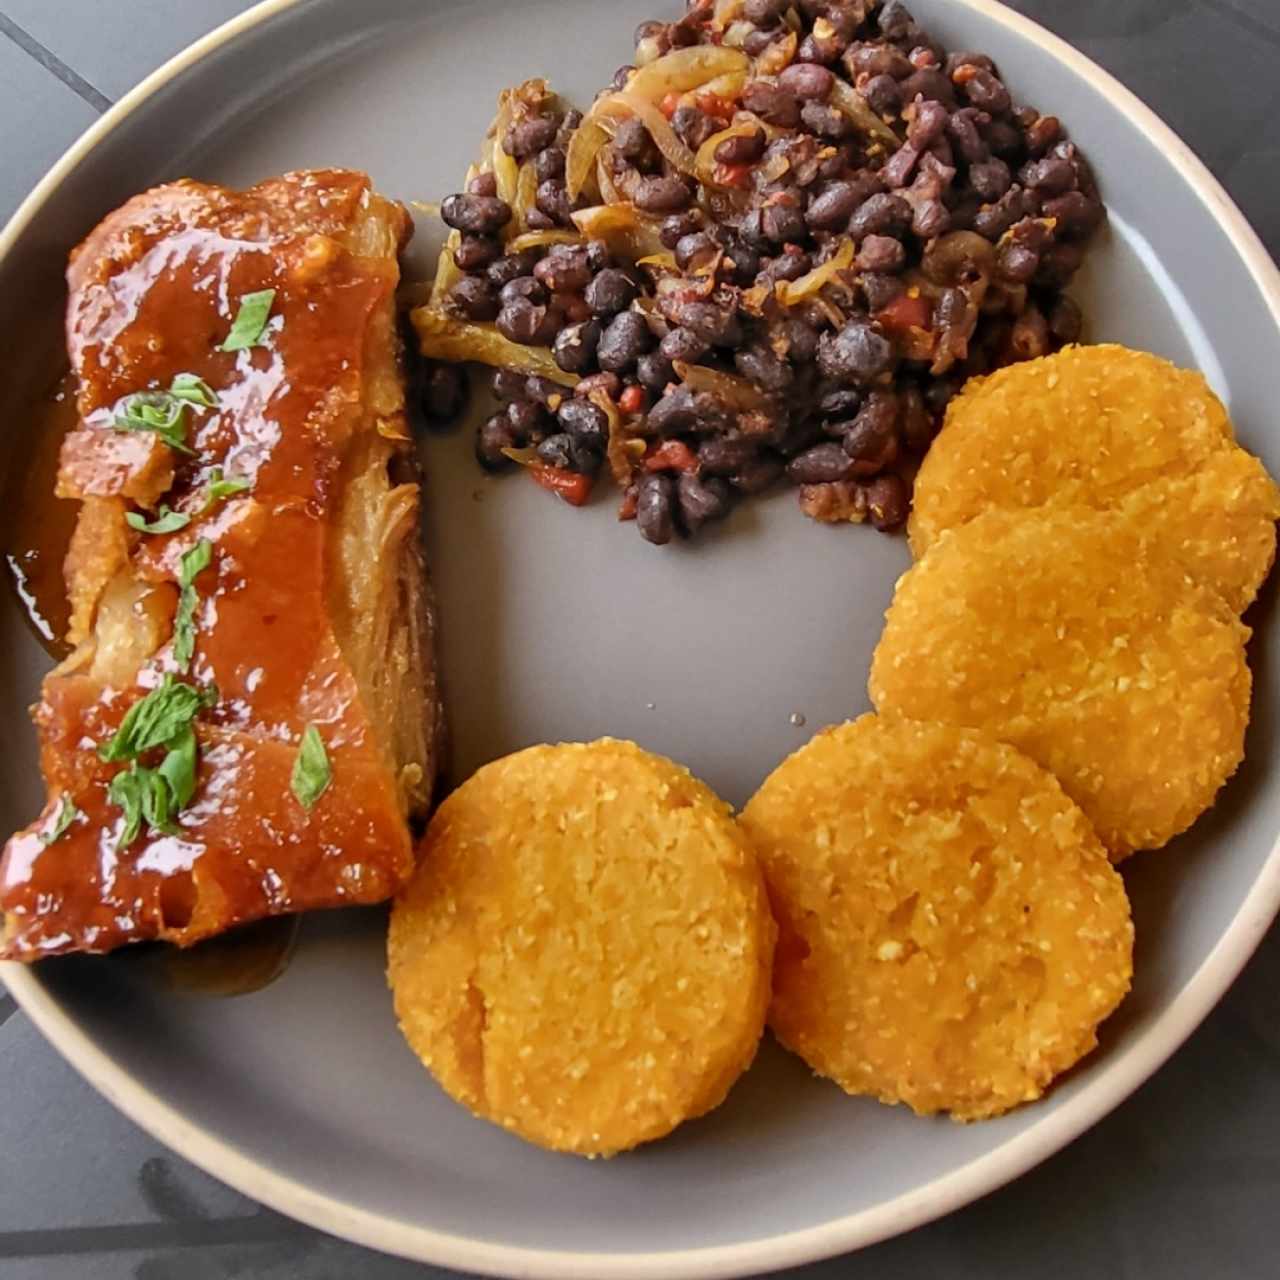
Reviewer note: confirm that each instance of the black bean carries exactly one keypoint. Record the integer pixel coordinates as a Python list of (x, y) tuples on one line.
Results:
[(782, 222), (526, 322), (483, 184), (1078, 216), (491, 438), (807, 81), (883, 95), (802, 340), (915, 421), (881, 215), (841, 404), (757, 476), (526, 418), (821, 465), (549, 164), (701, 499), (655, 500), (1000, 138), (508, 384), (622, 75), (661, 194), (480, 215), (552, 199), (568, 127), (895, 21), (931, 85), (611, 291), (714, 324), (654, 371), (826, 122), (676, 412), (587, 423), (763, 367), (987, 92), (931, 218), (443, 393), (966, 59), (1030, 338), (881, 289), (631, 140), (727, 455), (526, 138), (1017, 263), (743, 148), (512, 267), (742, 263), (754, 43), (575, 346), (527, 288), (962, 131), (557, 451), (1066, 322), (684, 344), (564, 267), (882, 253), (859, 353), (871, 440), (990, 179), (693, 127), (765, 13), (900, 167), (1012, 207), (927, 125), (888, 502), (773, 104), (1049, 177), (793, 436), (607, 383), (677, 226), (1042, 134), (625, 340), (877, 60), (475, 253), (474, 298), (696, 250), (650, 31), (1059, 265)]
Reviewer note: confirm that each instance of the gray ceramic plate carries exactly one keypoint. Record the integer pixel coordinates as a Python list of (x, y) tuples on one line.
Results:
[(560, 624)]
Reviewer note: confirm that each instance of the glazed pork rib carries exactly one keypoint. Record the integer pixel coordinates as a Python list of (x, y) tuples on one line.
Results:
[(249, 717)]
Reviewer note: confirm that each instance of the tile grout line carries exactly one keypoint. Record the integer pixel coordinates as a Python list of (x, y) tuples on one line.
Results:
[(1246, 21), (53, 64)]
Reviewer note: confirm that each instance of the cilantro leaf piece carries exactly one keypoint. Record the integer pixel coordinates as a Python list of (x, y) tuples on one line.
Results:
[(312, 772), (154, 720), (67, 814), (168, 521), (250, 322)]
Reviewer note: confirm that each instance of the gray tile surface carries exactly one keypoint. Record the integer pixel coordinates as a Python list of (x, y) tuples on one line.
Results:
[(1179, 1183), (39, 119)]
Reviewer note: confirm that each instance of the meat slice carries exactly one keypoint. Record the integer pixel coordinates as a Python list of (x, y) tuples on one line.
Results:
[(249, 721)]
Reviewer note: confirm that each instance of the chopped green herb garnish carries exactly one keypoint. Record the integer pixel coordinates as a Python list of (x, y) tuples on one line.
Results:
[(192, 564), (155, 720), (219, 488), (178, 768), (168, 521), (312, 772), (186, 386), (165, 412), (164, 718), (125, 793), (250, 322), (156, 411), (67, 814)]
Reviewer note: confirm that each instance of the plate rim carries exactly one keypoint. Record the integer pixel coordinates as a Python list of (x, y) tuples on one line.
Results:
[(1132, 1067)]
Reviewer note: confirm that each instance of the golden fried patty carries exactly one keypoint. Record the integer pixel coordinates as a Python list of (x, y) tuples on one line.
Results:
[(950, 930), (1110, 429), (584, 956), (1112, 671)]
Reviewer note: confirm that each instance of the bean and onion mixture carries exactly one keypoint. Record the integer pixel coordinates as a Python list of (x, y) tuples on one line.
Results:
[(773, 250)]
